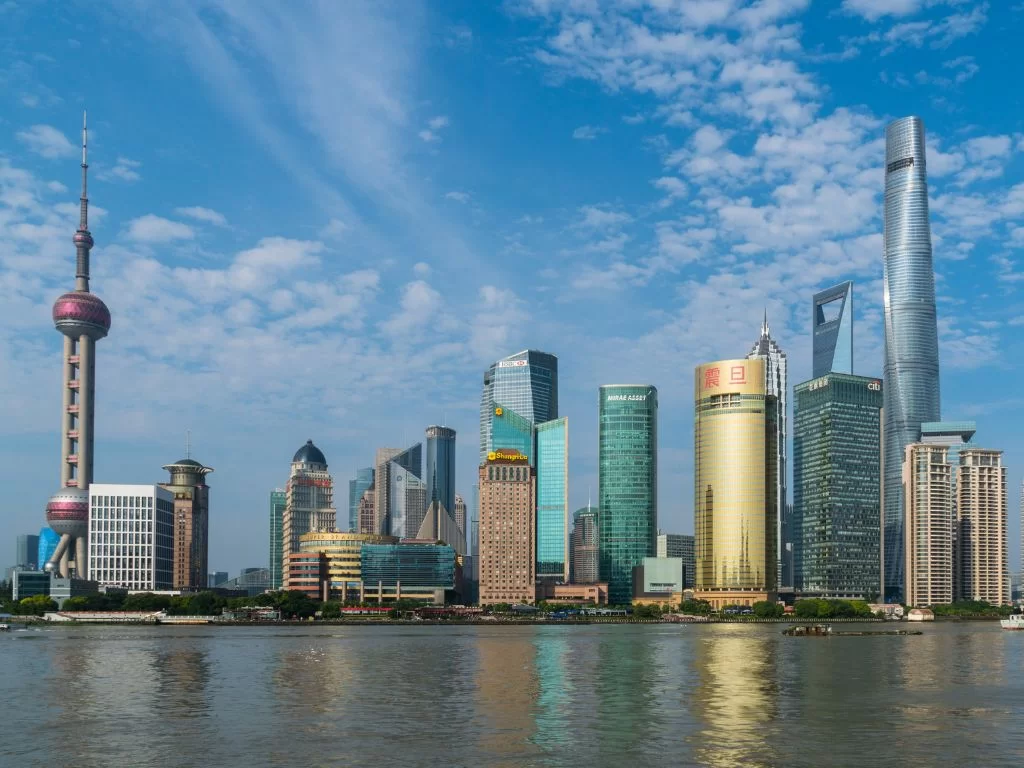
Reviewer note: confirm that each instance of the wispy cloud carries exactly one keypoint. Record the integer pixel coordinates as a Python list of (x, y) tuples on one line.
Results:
[(156, 229), (206, 215), (588, 132), (47, 141), (124, 169)]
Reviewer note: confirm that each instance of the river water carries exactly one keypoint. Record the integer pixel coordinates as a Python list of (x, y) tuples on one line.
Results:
[(717, 695)]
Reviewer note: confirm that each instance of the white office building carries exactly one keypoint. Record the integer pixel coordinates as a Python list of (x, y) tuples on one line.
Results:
[(131, 536)]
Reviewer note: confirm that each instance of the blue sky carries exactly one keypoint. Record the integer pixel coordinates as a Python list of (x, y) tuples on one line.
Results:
[(323, 220)]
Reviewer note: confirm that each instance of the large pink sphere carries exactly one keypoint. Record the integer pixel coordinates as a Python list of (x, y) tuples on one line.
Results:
[(67, 512), (81, 314)]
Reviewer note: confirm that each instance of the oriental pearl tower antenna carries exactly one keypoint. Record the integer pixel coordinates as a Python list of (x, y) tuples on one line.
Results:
[(83, 318)]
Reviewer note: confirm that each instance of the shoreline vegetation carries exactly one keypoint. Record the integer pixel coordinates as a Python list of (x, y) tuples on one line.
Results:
[(290, 608)]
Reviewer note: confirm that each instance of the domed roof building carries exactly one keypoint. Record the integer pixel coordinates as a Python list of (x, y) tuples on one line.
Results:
[(309, 454)]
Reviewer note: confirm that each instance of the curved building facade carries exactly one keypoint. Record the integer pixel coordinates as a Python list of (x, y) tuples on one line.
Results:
[(735, 479), (911, 370), (627, 483)]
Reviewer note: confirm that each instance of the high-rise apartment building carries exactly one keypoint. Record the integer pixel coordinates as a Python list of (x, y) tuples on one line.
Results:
[(955, 435), (440, 468), (191, 522), (309, 505), (776, 385), (367, 511), (131, 536), (911, 370), (26, 551), (460, 514), (84, 319), (507, 560), (401, 495), (586, 566), (837, 475), (929, 524), (682, 546), (526, 383), (832, 323), (553, 500), (278, 502), (627, 483), (356, 488), (735, 485), (982, 540)]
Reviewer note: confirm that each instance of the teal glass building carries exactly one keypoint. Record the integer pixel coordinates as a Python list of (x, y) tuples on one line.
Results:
[(837, 491), (527, 383), (511, 431), (411, 565), (553, 500), (278, 499), (627, 483), (356, 488)]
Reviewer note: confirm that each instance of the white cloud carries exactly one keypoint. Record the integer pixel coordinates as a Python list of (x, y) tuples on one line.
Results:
[(334, 229), (431, 133), (595, 217), (207, 215), (873, 10), (588, 132), (635, 119), (459, 197), (421, 268), (987, 147), (124, 169), (420, 308), (47, 141), (156, 229)]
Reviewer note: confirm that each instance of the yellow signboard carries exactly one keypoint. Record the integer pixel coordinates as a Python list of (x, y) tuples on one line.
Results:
[(500, 455), (743, 377)]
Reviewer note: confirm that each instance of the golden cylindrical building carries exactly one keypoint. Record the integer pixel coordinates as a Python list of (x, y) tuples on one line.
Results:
[(735, 471)]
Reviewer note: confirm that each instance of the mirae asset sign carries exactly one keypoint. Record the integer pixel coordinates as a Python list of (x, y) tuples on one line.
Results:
[(612, 398)]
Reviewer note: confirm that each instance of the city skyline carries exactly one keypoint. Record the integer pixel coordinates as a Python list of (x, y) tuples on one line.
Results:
[(620, 275)]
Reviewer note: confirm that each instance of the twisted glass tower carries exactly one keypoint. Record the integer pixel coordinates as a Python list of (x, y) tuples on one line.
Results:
[(911, 370)]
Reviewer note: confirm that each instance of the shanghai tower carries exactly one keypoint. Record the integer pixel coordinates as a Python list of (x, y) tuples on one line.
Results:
[(911, 370), (83, 318)]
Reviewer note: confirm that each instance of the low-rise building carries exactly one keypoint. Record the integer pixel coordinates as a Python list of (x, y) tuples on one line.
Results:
[(595, 593)]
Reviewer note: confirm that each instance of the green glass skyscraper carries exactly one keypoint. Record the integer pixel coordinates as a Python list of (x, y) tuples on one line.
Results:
[(553, 500), (837, 474), (627, 483), (278, 499)]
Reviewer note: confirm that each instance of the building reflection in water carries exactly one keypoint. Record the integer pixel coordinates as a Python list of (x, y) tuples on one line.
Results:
[(736, 697), (507, 688), (556, 690)]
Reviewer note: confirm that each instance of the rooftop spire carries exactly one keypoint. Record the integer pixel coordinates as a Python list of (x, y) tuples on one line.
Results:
[(765, 332), (83, 239)]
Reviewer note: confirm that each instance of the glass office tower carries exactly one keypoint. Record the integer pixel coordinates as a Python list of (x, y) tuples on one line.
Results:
[(837, 476), (735, 501), (553, 500), (911, 371), (440, 469), (512, 431), (278, 500), (832, 321), (356, 488), (527, 383), (627, 483)]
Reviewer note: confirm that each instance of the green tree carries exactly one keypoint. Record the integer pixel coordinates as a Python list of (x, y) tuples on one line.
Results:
[(765, 609), (36, 605), (330, 610), (695, 607), (146, 601)]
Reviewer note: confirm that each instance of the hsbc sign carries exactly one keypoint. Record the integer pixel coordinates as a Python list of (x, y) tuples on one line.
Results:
[(511, 363)]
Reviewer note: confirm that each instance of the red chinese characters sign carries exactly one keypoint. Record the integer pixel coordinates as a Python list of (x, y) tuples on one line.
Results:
[(711, 377), (738, 374)]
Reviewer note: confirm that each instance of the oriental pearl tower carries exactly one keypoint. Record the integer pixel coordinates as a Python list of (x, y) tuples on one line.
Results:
[(83, 319)]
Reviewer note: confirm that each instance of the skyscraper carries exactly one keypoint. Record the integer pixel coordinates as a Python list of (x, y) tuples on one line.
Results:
[(735, 486), (776, 385), (460, 514), (83, 319), (627, 483), (511, 431), (832, 321), (911, 371), (507, 564), (586, 567), (278, 502), (401, 495), (48, 541), (837, 475), (309, 506), (527, 383), (982, 538), (553, 500), (440, 469), (191, 522), (929, 524), (356, 487), (26, 551)]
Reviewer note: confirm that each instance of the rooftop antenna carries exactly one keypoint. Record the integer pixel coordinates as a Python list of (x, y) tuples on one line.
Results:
[(188, 443), (764, 326)]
